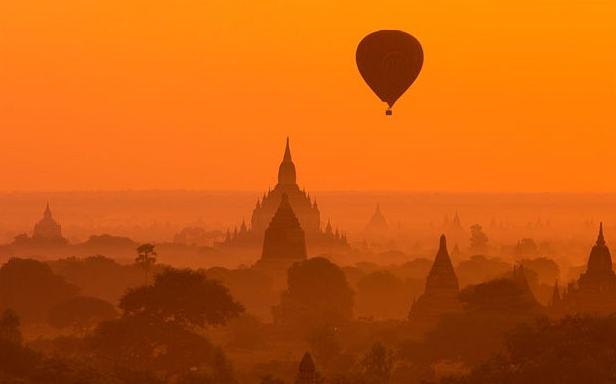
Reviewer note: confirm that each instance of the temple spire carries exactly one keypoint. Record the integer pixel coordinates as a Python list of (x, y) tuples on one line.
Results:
[(286, 171), (287, 152), (47, 210), (442, 274), (443, 245), (600, 238)]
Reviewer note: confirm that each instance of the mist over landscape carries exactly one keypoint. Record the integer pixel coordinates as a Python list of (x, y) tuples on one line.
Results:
[(307, 192)]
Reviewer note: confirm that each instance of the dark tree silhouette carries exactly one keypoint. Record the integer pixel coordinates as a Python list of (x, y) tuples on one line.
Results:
[(490, 310), (377, 364), (20, 364), (570, 351), (547, 270), (30, 288), (317, 294), (81, 313), (184, 297), (381, 295), (245, 331), (9, 327), (269, 379), (325, 344), (146, 258), (144, 344), (99, 276)]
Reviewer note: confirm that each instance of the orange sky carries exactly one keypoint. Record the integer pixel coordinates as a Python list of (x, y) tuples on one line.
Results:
[(200, 95)]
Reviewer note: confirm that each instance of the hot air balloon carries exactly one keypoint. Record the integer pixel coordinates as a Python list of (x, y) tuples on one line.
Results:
[(389, 61)]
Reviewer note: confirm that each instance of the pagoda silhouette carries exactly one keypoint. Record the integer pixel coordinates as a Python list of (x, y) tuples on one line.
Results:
[(307, 372), (441, 293), (284, 241), (47, 232), (377, 226), (595, 290), (303, 206)]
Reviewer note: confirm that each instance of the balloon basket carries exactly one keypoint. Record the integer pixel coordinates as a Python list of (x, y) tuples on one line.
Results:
[(388, 112)]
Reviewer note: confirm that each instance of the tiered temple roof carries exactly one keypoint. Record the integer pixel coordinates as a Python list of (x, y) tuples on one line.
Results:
[(47, 229), (284, 241), (305, 208)]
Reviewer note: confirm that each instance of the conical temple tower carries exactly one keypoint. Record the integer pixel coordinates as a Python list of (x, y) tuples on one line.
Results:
[(307, 373), (284, 242), (599, 269), (377, 224), (441, 293)]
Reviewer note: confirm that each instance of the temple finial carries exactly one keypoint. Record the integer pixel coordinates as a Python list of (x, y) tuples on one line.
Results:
[(443, 243), (600, 239), (287, 152), (47, 210)]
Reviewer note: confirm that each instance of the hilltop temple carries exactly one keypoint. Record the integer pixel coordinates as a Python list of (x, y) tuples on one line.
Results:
[(595, 290), (304, 208), (441, 293)]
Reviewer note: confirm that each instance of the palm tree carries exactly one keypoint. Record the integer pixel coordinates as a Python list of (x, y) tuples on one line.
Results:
[(146, 258)]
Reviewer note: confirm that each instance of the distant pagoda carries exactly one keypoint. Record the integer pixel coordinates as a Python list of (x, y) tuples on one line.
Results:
[(441, 293), (455, 231), (377, 226), (46, 233), (284, 240), (305, 209), (307, 373), (595, 290), (47, 229)]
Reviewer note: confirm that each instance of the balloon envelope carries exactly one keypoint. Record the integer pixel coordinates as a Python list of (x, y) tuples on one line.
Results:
[(389, 61)]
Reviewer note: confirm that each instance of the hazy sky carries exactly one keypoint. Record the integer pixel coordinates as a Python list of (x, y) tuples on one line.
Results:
[(514, 96)]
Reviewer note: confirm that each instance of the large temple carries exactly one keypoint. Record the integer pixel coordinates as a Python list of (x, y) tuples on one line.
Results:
[(47, 229), (441, 293), (304, 207), (46, 233), (284, 241), (595, 290)]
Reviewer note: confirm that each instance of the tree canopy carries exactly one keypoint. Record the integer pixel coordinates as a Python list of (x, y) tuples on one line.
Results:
[(569, 351), (318, 293), (182, 296), (81, 313), (30, 288)]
